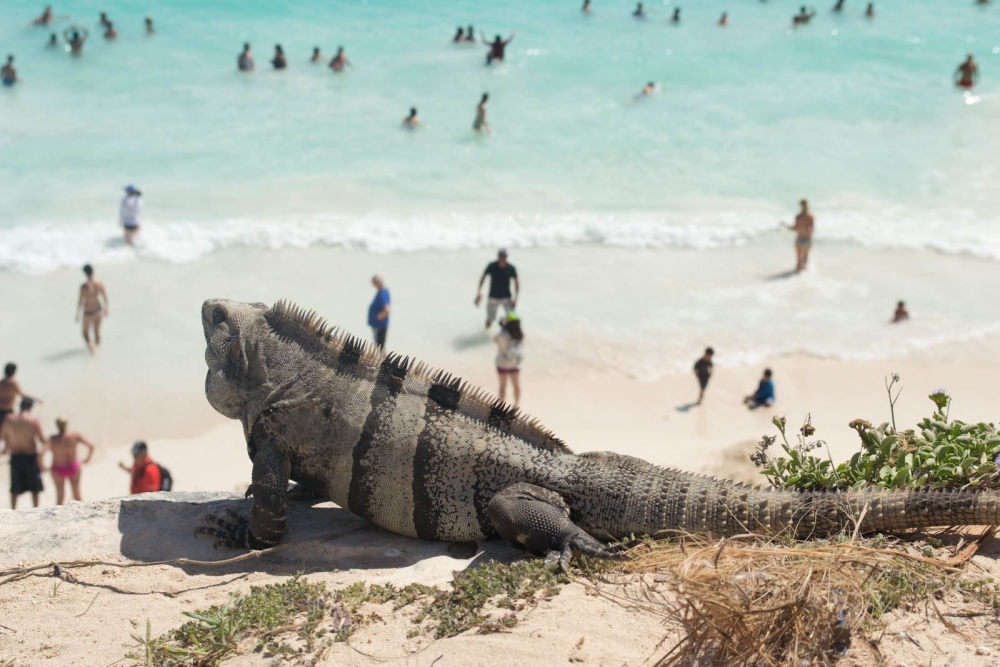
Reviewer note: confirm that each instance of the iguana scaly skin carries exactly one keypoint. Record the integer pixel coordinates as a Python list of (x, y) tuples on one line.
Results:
[(421, 454)]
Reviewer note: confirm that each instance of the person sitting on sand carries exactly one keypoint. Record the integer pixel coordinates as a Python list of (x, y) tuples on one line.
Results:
[(8, 73), (870, 11), (803, 17), (340, 61), (76, 36), (676, 18), (640, 12), (10, 390), (459, 36), (279, 61), (509, 354), (150, 30), (413, 120), (901, 314), (703, 371), (22, 437), (317, 57), (724, 19), (93, 304), (470, 35), (498, 47), (130, 213), (480, 124), (45, 18), (110, 33), (967, 74), (586, 7), (764, 394), (65, 464), (803, 228), (146, 477), (245, 60)]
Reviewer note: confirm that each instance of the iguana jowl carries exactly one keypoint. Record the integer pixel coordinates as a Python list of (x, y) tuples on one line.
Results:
[(421, 454)]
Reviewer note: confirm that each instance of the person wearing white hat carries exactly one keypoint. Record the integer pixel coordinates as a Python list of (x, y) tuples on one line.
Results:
[(131, 213)]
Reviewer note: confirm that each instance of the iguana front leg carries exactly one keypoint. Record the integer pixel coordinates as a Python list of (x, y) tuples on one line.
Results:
[(269, 510), (536, 519)]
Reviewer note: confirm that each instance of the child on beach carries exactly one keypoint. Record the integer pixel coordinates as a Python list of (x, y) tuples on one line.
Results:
[(703, 371), (764, 394), (901, 314), (509, 356)]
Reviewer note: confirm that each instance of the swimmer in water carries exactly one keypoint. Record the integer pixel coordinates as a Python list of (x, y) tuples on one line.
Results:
[(480, 124), (459, 36), (676, 18), (497, 47), (803, 17), (53, 41), (470, 35), (646, 91), (339, 61), (870, 11), (586, 7), (245, 60), (724, 19), (104, 20), (150, 30), (279, 61), (110, 33), (8, 73), (639, 12), (839, 7), (967, 74), (75, 36), (317, 57), (46, 17), (413, 120)]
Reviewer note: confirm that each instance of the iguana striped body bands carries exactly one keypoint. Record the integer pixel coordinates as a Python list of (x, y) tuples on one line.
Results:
[(420, 453)]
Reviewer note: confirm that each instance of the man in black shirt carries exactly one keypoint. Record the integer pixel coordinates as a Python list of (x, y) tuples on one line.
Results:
[(500, 273), (703, 369)]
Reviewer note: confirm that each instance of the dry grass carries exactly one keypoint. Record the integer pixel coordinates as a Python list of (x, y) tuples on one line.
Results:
[(753, 601)]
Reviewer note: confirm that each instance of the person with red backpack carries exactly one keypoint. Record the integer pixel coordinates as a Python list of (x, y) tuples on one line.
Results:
[(147, 476)]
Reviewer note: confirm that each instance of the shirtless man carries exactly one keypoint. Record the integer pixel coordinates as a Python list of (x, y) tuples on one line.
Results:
[(10, 390), (339, 60), (803, 17), (245, 60), (279, 61), (967, 73), (412, 121), (803, 229), (94, 305), (21, 436), (65, 464), (75, 36), (497, 47), (480, 124)]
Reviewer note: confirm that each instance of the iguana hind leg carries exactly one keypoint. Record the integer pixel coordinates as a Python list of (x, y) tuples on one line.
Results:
[(536, 519)]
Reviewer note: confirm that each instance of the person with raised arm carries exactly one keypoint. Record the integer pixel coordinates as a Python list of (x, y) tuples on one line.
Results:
[(498, 47)]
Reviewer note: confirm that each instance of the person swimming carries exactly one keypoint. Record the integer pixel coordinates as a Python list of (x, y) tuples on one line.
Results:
[(150, 30), (340, 61), (53, 41), (317, 57), (76, 36), (110, 33), (459, 36), (724, 19), (279, 61), (8, 73), (104, 20), (586, 7), (413, 120), (45, 18), (839, 7), (639, 12), (470, 35), (497, 47), (646, 91), (245, 60), (803, 17), (967, 74), (481, 124), (870, 11), (676, 18)]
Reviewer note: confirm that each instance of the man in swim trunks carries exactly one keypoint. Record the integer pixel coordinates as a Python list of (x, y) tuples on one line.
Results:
[(146, 477), (279, 61), (245, 60), (130, 213), (803, 229), (501, 273), (497, 47), (480, 124), (24, 441), (94, 304), (65, 464), (703, 371), (967, 74), (75, 36), (8, 73), (339, 61), (10, 390)]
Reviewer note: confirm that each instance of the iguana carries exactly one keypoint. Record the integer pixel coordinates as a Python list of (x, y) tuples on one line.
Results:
[(422, 454)]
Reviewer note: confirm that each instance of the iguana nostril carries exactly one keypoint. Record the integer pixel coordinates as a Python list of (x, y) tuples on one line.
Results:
[(218, 316)]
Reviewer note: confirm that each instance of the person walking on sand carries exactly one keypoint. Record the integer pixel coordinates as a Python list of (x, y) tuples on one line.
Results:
[(131, 213), (378, 311), (244, 62), (146, 476), (93, 304), (340, 61), (8, 73), (509, 355), (803, 229), (764, 394), (481, 125), (703, 371), (967, 74), (901, 314), (21, 436), (10, 390), (65, 464), (501, 273)]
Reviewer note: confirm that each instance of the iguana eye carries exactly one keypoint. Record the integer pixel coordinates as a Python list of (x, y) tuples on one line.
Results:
[(218, 316)]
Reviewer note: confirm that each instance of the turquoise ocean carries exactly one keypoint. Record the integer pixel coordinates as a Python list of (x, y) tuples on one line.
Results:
[(643, 229)]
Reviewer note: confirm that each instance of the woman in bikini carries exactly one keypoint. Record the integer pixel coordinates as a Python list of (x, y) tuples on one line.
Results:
[(94, 304), (65, 464)]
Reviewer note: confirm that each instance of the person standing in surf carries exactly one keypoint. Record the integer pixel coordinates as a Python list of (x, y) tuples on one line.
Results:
[(803, 229), (8, 73), (967, 74), (131, 213), (245, 60), (481, 124)]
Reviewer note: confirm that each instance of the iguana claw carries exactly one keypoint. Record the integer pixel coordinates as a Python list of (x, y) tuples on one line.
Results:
[(233, 533)]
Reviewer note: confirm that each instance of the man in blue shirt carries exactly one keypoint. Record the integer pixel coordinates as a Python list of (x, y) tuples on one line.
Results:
[(764, 394), (378, 311)]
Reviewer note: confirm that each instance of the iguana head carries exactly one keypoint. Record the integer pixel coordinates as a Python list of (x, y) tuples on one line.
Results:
[(235, 370)]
